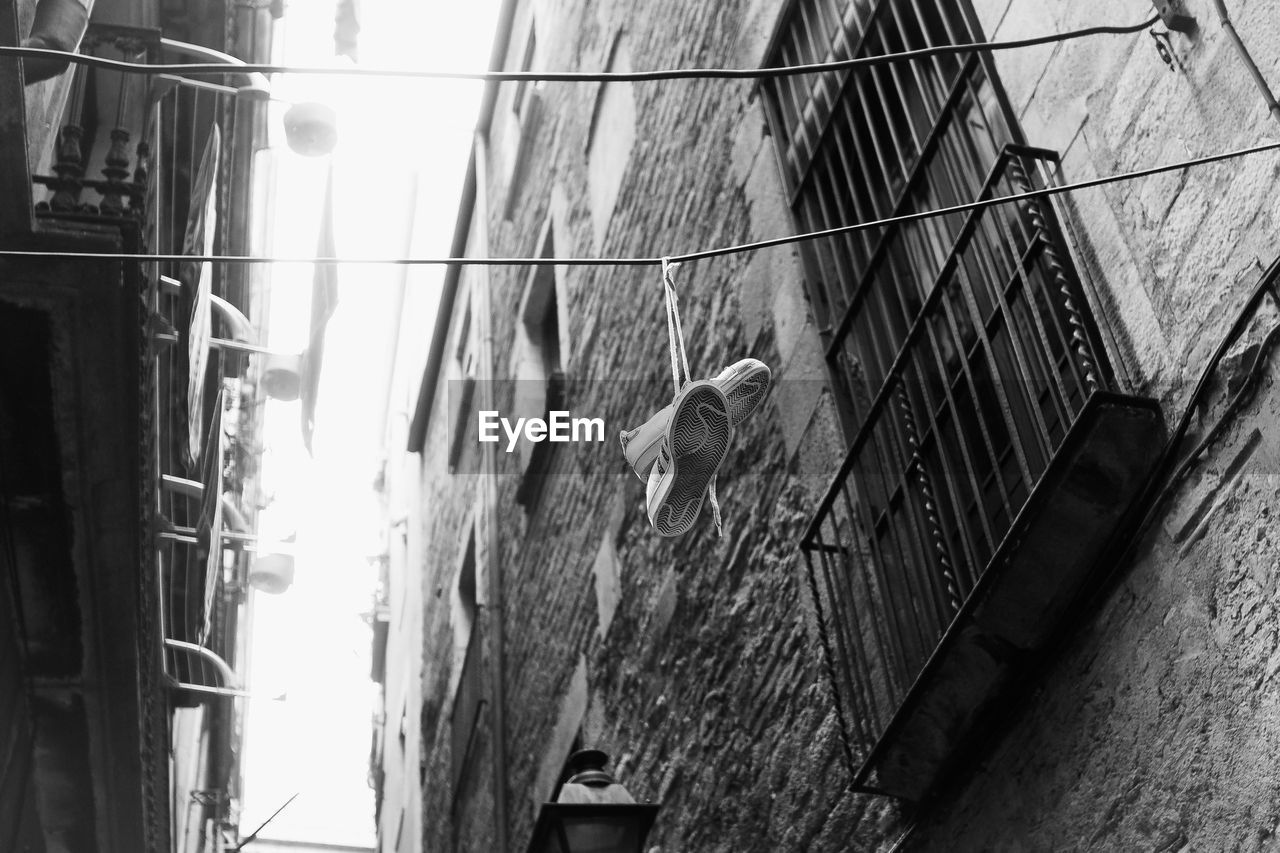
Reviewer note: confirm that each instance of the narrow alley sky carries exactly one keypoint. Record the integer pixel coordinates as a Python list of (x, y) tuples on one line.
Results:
[(312, 641)]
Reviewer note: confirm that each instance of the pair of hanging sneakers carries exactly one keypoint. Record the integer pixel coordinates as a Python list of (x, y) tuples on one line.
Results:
[(678, 451)]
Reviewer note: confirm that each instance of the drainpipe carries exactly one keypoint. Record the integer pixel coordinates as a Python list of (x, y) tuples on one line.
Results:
[(1247, 59), (489, 491)]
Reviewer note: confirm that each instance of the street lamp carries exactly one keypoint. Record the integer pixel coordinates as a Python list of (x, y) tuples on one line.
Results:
[(593, 814)]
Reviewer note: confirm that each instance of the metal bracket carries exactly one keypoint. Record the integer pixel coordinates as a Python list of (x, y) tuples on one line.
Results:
[(1175, 16), (160, 330), (1163, 46)]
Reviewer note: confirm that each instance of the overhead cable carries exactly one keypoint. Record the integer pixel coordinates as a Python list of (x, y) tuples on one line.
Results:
[(703, 254), (207, 68)]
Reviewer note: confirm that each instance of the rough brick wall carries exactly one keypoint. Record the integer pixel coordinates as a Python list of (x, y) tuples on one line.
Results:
[(1152, 730), (439, 528), (706, 689)]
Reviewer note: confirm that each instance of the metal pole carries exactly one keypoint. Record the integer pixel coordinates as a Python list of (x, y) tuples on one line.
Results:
[(493, 543)]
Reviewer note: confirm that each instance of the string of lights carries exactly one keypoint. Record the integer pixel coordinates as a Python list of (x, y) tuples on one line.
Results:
[(702, 254), (210, 68)]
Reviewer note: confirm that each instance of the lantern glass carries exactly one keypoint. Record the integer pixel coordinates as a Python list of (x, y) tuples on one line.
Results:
[(615, 834), (581, 828)]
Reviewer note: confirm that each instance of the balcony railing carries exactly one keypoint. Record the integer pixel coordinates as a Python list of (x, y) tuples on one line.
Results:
[(965, 414), (101, 159), (190, 124), (199, 569), (128, 151)]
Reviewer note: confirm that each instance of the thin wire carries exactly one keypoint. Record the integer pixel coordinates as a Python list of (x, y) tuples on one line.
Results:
[(254, 834), (202, 68), (302, 259), (978, 204), (657, 261)]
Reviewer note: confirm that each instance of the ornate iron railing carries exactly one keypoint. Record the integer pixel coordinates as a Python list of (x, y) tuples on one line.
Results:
[(102, 146), (128, 151), (961, 349), (992, 369)]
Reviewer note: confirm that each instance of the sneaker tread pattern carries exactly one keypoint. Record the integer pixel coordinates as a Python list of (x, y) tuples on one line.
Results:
[(700, 440), (745, 396)]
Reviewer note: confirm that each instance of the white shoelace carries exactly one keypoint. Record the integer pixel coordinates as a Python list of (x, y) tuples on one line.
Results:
[(679, 360)]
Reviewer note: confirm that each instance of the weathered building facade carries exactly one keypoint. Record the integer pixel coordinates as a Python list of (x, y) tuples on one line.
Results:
[(125, 442), (964, 599)]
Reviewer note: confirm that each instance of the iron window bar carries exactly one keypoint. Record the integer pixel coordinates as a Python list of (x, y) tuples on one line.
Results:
[(952, 90), (934, 296), (903, 205), (960, 347), (898, 544)]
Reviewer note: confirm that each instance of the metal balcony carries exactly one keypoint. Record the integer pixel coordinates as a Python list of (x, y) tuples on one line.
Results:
[(989, 467)]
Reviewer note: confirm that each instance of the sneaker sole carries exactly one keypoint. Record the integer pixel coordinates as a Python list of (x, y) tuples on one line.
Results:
[(747, 394), (743, 399), (699, 434)]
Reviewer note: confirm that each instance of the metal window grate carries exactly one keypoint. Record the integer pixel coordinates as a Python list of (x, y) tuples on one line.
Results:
[(960, 347)]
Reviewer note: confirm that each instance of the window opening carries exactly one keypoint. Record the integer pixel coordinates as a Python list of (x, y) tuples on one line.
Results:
[(525, 88), (526, 118), (540, 374), (960, 348), (469, 691), (462, 390), (611, 136)]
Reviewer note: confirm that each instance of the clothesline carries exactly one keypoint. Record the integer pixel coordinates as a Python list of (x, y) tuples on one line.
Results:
[(210, 68), (686, 257)]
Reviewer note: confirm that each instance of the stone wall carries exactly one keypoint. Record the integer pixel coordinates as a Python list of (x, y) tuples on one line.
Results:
[(703, 681), (439, 529), (1156, 727), (695, 662), (706, 687)]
